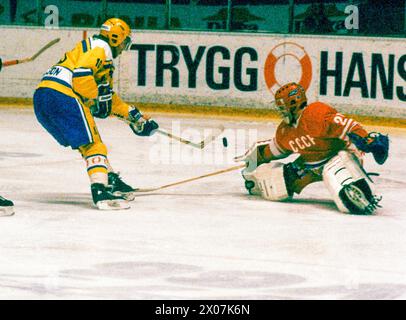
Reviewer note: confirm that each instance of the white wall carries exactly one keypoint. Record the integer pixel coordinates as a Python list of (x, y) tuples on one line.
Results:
[(362, 55)]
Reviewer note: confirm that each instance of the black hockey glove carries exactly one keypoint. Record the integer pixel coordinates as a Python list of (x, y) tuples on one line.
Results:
[(141, 126), (102, 108), (1, 64), (376, 143)]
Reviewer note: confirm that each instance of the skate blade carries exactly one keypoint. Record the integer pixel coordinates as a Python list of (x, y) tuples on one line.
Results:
[(6, 211), (129, 196), (113, 205)]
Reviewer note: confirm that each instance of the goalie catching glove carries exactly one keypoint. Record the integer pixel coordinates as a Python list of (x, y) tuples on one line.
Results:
[(141, 125), (102, 107), (376, 143)]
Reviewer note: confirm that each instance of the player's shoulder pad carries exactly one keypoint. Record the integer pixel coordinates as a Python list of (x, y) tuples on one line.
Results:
[(318, 112), (99, 43), (315, 115), (320, 108)]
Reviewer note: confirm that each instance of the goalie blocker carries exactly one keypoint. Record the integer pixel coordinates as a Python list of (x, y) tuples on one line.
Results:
[(343, 175)]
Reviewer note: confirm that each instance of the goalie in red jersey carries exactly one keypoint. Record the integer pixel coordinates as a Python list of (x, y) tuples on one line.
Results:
[(330, 148)]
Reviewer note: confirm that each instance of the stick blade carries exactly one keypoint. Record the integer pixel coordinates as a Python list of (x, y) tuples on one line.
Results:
[(212, 137), (47, 46)]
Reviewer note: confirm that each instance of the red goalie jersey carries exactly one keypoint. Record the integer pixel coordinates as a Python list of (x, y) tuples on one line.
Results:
[(319, 134)]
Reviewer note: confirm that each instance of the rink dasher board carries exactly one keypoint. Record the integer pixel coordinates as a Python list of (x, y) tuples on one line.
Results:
[(358, 75)]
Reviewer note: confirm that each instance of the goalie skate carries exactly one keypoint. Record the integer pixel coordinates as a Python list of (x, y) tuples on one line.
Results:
[(105, 200), (119, 188), (356, 200), (6, 207)]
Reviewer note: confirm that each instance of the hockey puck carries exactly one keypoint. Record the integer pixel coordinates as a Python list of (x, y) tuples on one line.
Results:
[(225, 142)]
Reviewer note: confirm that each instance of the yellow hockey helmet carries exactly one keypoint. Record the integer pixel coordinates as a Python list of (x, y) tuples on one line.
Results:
[(116, 31), (290, 101)]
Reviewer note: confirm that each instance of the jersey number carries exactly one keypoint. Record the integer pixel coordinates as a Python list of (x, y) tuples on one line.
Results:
[(340, 119)]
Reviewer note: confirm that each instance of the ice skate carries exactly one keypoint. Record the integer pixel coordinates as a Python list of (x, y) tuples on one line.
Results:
[(357, 201), (6, 207), (105, 200), (119, 188)]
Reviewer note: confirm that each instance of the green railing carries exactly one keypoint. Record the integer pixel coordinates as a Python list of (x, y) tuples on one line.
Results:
[(350, 17)]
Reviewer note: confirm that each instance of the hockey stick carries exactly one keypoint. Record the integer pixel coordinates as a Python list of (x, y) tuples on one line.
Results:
[(240, 166), (14, 62), (199, 145)]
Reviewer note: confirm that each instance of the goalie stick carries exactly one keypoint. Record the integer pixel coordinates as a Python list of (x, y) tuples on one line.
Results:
[(199, 145), (240, 166), (18, 61)]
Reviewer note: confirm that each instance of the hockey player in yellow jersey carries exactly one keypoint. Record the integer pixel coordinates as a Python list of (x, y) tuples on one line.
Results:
[(77, 89)]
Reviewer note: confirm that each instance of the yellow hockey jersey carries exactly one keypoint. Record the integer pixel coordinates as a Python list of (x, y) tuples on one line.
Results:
[(79, 72)]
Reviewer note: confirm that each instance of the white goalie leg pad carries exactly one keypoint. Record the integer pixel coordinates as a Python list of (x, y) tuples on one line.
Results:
[(335, 176), (249, 176), (271, 182), (354, 166), (340, 171)]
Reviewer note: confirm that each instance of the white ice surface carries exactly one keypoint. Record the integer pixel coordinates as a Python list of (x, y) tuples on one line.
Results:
[(203, 240)]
